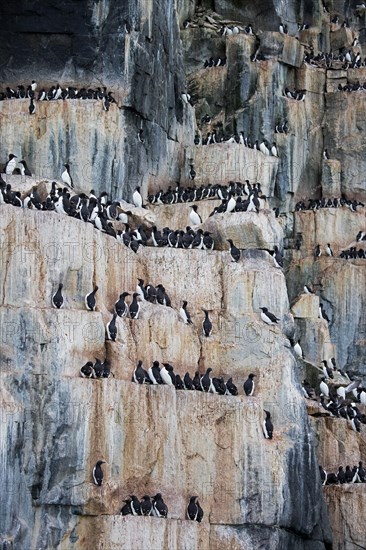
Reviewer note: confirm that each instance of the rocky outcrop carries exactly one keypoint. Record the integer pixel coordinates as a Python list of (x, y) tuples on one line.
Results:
[(55, 425)]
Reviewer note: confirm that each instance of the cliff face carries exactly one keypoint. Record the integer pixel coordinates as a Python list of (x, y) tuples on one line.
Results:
[(256, 493)]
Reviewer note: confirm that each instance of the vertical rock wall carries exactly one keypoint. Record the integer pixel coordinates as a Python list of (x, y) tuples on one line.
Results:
[(54, 425)]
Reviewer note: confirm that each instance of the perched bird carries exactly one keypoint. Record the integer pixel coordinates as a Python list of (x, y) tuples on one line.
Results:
[(111, 328), (134, 308), (268, 317), (192, 172), (322, 313), (328, 250), (231, 389), (137, 198), (267, 426), (274, 150), (194, 217), (206, 324), (323, 475), (66, 176), (234, 252), (126, 509), (139, 375), (277, 257), (98, 472), (120, 307), (206, 381), (154, 374), (24, 170), (146, 506), (184, 314), (90, 301), (194, 510), (10, 165), (167, 374), (318, 251), (323, 386), (57, 298), (160, 508), (135, 506), (297, 348), (249, 385), (87, 370), (32, 107)]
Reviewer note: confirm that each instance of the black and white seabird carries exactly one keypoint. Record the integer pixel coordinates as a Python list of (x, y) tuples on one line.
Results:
[(268, 317), (188, 382), (139, 375), (31, 107), (160, 508), (234, 252), (274, 150), (111, 328), (297, 348), (154, 374), (135, 505), (322, 313), (90, 301), (120, 307), (206, 381), (167, 374), (184, 314), (318, 251), (24, 170), (249, 385), (137, 198), (194, 510), (323, 475), (194, 217), (87, 370), (98, 472), (267, 426), (328, 250), (98, 368), (57, 298), (10, 165), (192, 172), (134, 308), (140, 289), (66, 176), (126, 509), (146, 506), (231, 389), (323, 386), (277, 257), (206, 324)]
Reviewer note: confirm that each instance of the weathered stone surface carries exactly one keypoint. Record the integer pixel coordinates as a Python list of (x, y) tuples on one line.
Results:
[(337, 226), (224, 162), (255, 493), (331, 179), (287, 48), (240, 343), (345, 130), (341, 38), (307, 306)]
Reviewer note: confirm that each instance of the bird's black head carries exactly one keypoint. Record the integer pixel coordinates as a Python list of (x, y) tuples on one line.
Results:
[(155, 363)]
